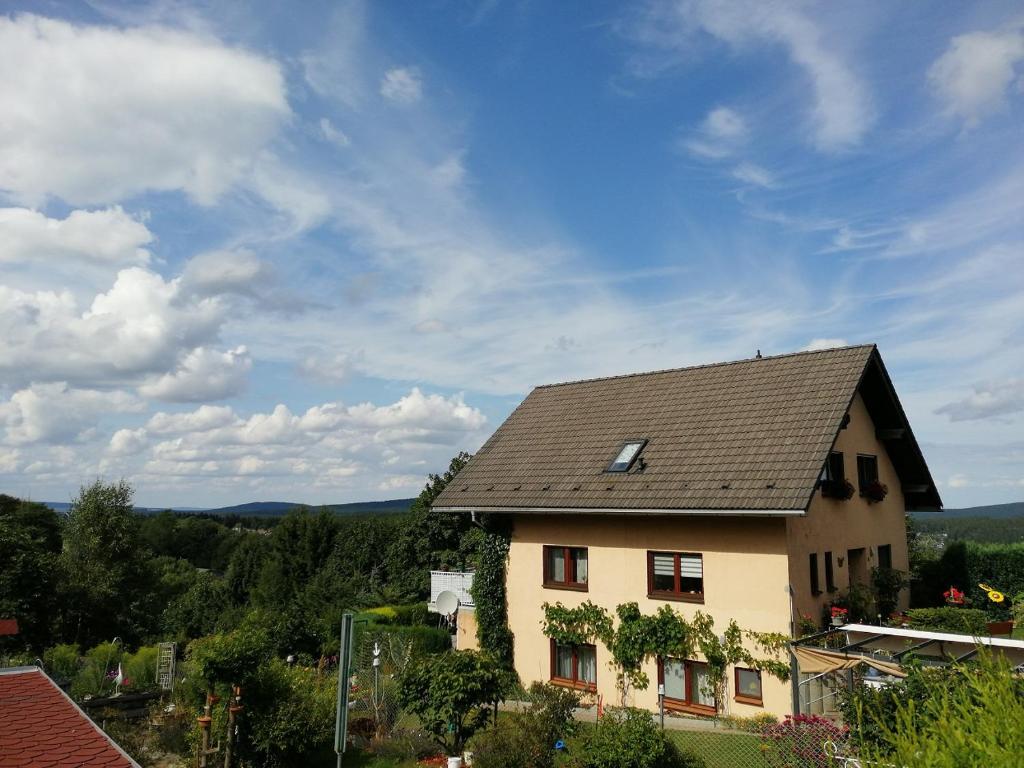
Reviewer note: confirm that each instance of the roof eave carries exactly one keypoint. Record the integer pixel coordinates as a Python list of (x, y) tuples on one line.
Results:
[(625, 511)]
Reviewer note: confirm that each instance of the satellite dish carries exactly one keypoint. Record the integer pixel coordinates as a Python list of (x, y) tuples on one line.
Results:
[(447, 603)]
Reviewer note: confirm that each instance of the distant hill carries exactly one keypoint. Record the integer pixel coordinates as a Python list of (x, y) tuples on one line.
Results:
[(276, 508), (1013, 509)]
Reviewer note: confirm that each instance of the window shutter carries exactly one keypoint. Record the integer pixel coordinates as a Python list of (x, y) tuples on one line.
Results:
[(664, 565), (691, 567)]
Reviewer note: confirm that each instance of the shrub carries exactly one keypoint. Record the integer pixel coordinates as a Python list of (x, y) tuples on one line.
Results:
[(405, 745), (93, 676), (62, 661), (756, 724), (421, 640), (450, 693), (527, 739), (140, 668), (628, 738), (968, 719), (799, 741), (968, 621)]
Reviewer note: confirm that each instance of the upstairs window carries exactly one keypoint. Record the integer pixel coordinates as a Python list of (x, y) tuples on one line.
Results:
[(626, 456), (867, 471), (566, 567), (834, 467), (676, 576)]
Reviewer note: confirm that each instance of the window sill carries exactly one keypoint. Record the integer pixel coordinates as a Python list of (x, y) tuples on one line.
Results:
[(566, 585), (749, 700), (684, 598), (675, 705), (574, 685)]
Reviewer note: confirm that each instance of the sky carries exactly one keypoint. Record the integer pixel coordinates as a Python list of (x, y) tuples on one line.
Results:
[(309, 251)]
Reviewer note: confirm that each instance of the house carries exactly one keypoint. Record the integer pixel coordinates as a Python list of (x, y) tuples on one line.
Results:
[(720, 488), (42, 726)]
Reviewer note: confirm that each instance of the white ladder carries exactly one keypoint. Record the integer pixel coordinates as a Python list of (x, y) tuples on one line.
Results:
[(165, 666)]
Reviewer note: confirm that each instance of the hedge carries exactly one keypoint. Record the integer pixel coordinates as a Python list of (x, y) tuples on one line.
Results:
[(965, 565), (968, 621)]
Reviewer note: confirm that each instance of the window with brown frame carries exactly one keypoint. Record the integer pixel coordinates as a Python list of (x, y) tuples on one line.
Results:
[(675, 576), (566, 567), (748, 686), (867, 471), (687, 686), (574, 665)]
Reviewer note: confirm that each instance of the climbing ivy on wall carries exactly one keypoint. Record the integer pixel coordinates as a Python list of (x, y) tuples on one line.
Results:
[(490, 591), (635, 638)]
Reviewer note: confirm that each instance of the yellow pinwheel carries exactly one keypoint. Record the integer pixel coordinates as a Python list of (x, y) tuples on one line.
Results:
[(993, 594)]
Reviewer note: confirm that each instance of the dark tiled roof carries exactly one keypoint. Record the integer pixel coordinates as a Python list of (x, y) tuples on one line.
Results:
[(41, 727), (747, 435)]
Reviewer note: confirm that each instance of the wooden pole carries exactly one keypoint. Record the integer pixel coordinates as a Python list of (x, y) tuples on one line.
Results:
[(204, 742), (234, 707)]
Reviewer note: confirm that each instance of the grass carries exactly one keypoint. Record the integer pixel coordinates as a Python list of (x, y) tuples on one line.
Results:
[(722, 750)]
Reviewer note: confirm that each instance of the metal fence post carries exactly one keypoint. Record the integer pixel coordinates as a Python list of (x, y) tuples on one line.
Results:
[(344, 665)]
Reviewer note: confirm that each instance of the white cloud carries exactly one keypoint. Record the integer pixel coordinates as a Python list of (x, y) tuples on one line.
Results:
[(55, 412), (203, 374), (97, 114), (216, 272), (108, 236), (127, 442), (987, 401), (841, 113), (816, 344), (720, 134), (974, 74), (142, 325), (204, 418), (403, 85), (331, 368), (334, 134), (750, 173)]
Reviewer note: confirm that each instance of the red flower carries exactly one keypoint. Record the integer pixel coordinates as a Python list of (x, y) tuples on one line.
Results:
[(954, 596), (838, 612)]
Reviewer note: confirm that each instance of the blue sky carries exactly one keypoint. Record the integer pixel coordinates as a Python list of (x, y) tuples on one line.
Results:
[(309, 251)]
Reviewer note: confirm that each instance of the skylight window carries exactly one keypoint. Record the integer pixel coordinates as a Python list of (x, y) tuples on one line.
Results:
[(627, 455)]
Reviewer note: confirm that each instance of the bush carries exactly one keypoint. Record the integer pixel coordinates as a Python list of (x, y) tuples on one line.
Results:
[(421, 640), (756, 724), (968, 621), (969, 719), (95, 675), (527, 739), (628, 738), (799, 741), (62, 661), (140, 668), (405, 745)]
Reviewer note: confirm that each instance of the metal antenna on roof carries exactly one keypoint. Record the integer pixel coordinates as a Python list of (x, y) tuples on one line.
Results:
[(758, 355)]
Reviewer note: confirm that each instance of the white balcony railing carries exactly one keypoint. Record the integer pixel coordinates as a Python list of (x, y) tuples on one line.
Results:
[(451, 581)]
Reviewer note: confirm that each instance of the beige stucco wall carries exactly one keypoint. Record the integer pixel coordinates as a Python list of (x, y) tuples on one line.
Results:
[(465, 630), (746, 574), (838, 526)]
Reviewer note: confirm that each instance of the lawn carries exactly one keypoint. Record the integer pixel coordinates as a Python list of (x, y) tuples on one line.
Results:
[(722, 750)]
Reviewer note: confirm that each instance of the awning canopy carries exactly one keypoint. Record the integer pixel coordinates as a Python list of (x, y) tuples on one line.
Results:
[(821, 660)]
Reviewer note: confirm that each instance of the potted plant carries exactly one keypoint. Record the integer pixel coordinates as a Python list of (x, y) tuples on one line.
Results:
[(839, 615), (954, 596), (837, 489), (875, 491)]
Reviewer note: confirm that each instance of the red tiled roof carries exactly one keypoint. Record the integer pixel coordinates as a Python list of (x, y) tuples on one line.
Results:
[(8, 627), (40, 727)]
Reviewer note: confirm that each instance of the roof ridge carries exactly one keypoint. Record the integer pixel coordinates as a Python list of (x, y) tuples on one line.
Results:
[(705, 365)]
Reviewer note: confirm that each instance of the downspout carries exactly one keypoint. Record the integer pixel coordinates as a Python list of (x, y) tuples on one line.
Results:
[(794, 669)]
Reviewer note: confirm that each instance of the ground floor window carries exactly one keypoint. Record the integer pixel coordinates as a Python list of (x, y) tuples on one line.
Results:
[(574, 665), (687, 685), (748, 686)]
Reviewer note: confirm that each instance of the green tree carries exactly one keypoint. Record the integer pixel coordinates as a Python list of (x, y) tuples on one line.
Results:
[(432, 539), (452, 694), (105, 566), (29, 576)]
